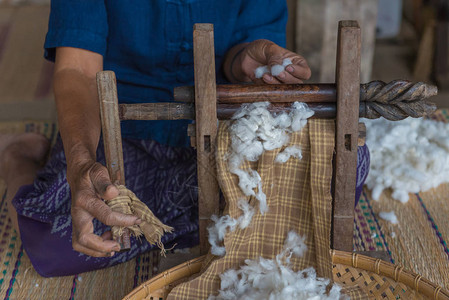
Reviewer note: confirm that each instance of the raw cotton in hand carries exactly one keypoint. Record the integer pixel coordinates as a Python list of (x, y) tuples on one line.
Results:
[(408, 156), (275, 70), (274, 279)]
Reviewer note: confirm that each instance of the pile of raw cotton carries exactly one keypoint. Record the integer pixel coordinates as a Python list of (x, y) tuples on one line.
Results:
[(274, 279), (253, 131), (407, 156)]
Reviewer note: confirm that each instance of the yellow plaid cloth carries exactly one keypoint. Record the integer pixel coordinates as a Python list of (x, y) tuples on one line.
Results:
[(299, 198)]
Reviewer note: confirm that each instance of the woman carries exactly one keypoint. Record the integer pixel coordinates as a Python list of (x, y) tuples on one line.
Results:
[(149, 46)]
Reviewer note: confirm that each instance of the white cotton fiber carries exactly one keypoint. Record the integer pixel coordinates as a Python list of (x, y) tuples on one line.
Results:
[(274, 279), (218, 231), (286, 62), (275, 69), (256, 130), (408, 156), (226, 224), (248, 212), (285, 155), (389, 216), (258, 73)]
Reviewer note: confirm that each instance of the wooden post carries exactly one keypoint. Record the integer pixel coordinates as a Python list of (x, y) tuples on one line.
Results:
[(206, 127), (348, 91), (112, 136)]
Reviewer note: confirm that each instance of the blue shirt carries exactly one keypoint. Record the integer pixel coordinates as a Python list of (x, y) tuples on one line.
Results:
[(148, 44)]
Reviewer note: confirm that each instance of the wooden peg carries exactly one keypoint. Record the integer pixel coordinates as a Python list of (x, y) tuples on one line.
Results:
[(348, 93), (206, 127)]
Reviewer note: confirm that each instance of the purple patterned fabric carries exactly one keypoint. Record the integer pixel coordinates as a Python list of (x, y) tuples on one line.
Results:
[(161, 176), (363, 162)]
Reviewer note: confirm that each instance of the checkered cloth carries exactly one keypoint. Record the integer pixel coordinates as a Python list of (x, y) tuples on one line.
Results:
[(299, 198)]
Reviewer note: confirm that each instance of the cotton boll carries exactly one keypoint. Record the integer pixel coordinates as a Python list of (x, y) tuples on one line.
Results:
[(299, 115), (286, 62), (277, 69), (217, 232), (389, 216), (263, 207), (226, 224), (285, 155), (248, 212), (295, 243), (283, 120), (258, 73)]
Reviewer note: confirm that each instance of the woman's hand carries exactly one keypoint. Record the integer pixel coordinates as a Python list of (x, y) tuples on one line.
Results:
[(80, 127), (90, 183), (242, 61)]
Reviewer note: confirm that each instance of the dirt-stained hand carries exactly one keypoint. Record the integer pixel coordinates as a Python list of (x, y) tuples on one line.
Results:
[(90, 185), (266, 53)]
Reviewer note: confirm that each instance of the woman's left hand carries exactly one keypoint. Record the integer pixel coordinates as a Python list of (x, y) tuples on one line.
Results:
[(244, 59)]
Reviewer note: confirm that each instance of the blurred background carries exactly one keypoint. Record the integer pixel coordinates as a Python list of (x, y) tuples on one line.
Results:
[(401, 39)]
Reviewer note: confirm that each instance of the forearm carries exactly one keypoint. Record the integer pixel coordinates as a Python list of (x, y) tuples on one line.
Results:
[(78, 115)]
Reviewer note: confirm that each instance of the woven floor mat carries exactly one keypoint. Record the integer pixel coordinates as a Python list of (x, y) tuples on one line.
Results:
[(418, 241)]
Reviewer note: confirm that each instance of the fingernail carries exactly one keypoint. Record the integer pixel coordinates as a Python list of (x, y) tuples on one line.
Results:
[(138, 221), (282, 75), (112, 253), (290, 69)]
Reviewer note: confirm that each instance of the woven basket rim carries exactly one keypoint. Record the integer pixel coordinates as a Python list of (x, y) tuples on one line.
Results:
[(378, 266), (396, 272)]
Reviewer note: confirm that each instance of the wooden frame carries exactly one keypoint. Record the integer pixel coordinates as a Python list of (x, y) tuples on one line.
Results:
[(343, 101)]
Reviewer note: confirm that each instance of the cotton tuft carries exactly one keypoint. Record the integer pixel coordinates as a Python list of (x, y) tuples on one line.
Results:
[(256, 130), (275, 69), (225, 224), (408, 156), (389, 216), (273, 279)]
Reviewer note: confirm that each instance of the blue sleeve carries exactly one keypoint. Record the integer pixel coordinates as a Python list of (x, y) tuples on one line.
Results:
[(262, 19), (77, 23)]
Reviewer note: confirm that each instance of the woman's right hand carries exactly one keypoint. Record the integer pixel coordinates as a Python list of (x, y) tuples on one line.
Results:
[(90, 185), (76, 99)]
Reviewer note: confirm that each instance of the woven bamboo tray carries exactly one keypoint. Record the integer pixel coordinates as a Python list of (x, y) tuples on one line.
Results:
[(377, 278)]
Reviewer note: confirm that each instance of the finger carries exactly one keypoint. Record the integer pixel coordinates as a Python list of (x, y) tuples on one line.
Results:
[(267, 78), (285, 77), (105, 215), (299, 69), (98, 244), (107, 235), (99, 177), (80, 248)]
